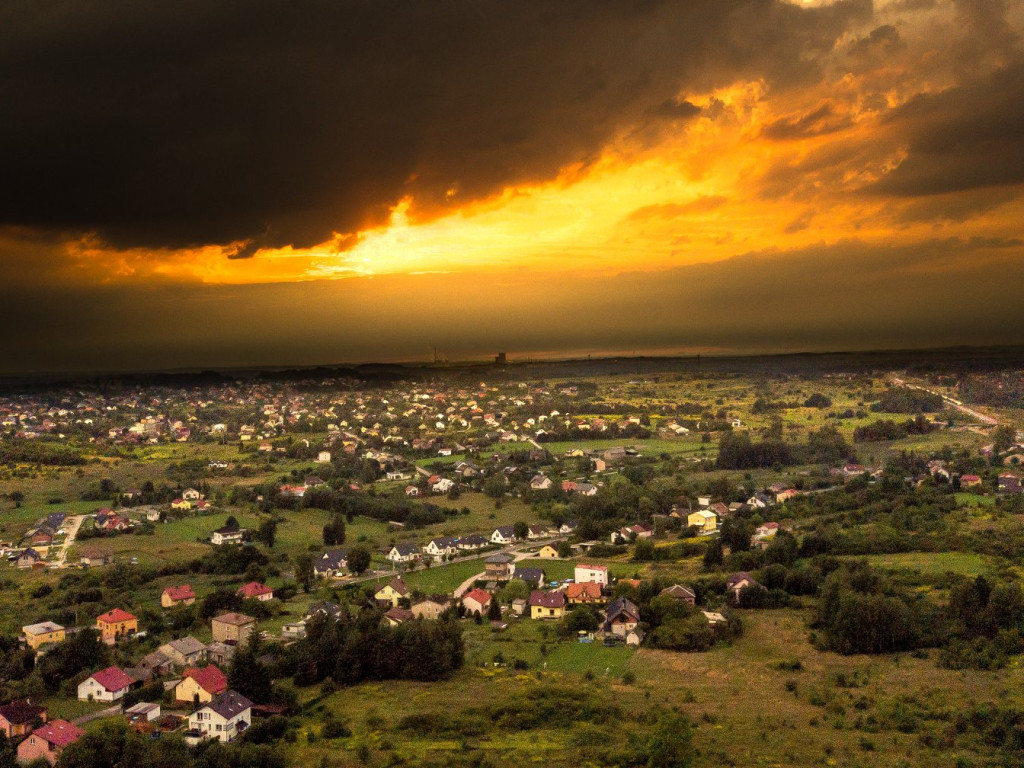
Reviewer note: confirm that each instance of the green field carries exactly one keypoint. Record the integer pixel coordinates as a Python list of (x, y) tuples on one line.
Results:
[(934, 563)]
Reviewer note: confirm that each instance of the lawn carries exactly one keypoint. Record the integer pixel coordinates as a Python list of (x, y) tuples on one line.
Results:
[(934, 563), (443, 579)]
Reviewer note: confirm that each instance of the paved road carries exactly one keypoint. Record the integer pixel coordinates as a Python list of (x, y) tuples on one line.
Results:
[(76, 523), (983, 418)]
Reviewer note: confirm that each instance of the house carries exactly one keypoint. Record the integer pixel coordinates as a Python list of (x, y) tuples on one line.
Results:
[(680, 593), (720, 508), (597, 574), (760, 501), (226, 535), (143, 712), (534, 532), (532, 576), (737, 582), (444, 485), (155, 663), (431, 607), (200, 685), (412, 490), (255, 591), (547, 552), (331, 563), (568, 527), (600, 465), (783, 496), (969, 481), (44, 633), (634, 637), (28, 558), (392, 592), (90, 557), (540, 483), (519, 606), (184, 652), (181, 505), (766, 529), (17, 717), (49, 741), (293, 630), (191, 494), (220, 653), (109, 684), (583, 593), (439, 547), (503, 535), (623, 616), (1009, 483), (232, 628), (325, 609), (499, 566), (472, 543), (547, 605), (115, 624), (476, 601), (324, 457), (41, 537), (173, 596), (404, 552), (586, 489), (704, 520), (396, 616), (223, 719)]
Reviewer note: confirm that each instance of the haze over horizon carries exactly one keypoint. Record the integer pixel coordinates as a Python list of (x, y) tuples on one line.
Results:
[(263, 184)]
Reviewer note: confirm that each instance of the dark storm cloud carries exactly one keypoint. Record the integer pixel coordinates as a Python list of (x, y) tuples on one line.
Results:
[(964, 138), (825, 118), (175, 124)]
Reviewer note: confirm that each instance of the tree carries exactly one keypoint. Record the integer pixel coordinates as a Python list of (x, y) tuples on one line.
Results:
[(670, 742), (267, 533), (564, 549), (521, 530), (231, 523), (358, 559), (713, 555), (304, 571), (494, 611), (247, 674), (334, 531), (643, 551)]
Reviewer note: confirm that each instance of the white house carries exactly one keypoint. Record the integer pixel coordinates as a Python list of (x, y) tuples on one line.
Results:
[(223, 719), (108, 684), (324, 457), (504, 535), (223, 536), (404, 553), (445, 545), (597, 574), (442, 486)]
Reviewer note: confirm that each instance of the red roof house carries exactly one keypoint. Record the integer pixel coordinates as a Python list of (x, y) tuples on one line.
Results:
[(256, 591), (48, 741)]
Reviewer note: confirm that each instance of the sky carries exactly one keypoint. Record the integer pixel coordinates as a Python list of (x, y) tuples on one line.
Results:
[(198, 184)]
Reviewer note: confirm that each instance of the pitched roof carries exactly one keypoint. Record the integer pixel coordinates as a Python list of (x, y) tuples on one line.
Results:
[(406, 548), (679, 592), (622, 607), (738, 578), (331, 560), (112, 678), (399, 615), (229, 704), (254, 589), (184, 592), (186, 645), (59, 733), (116, 615), (589, 590), (535, 575), (236, 619), (547, 599), (398, 585), (482, 596), (210, 678), (19, 712)]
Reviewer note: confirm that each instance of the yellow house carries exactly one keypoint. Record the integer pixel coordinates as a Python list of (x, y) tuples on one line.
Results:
[(115, 624), (182, 504), (548, 552), (703, 520), (547, 605), (392, 592), (200, 685), (36, 635)]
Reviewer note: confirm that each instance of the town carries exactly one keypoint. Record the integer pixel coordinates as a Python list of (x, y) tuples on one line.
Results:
[(327, 569)]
